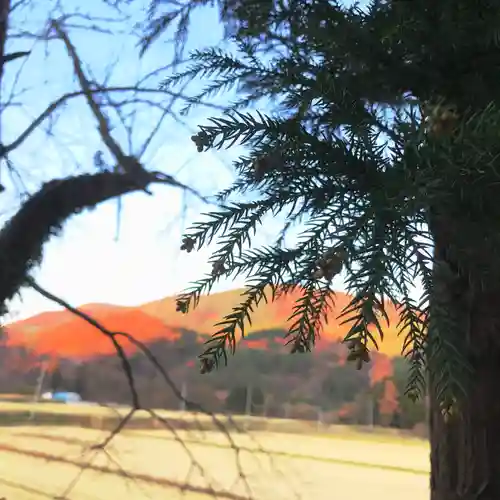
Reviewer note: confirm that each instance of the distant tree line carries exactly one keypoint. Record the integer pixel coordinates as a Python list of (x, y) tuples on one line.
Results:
[(266, 380)]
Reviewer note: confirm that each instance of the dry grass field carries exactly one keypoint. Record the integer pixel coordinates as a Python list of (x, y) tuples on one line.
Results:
[(96, 414), (39, 462)]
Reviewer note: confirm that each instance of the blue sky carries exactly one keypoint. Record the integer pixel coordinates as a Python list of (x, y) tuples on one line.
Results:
[(88, 263)]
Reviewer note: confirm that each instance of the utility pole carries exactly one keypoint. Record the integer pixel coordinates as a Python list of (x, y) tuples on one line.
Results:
[(39, 386), (371, 397), (248, 404), (320, 419), (182, 406), (371, 410), (287, 409)]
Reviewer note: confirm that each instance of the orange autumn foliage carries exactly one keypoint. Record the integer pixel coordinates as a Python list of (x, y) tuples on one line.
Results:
[(267, 317), (256, 343), (67, 335), (388, 403), (381, 369), (75, 338)]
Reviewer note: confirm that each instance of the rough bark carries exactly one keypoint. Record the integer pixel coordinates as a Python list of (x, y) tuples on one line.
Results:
[(43, 215), (465, 447)]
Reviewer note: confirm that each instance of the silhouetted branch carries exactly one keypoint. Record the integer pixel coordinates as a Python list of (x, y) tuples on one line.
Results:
[(43, 215), (127, 369), (129, 375), (128, 164), (14, 55), (53, 106)]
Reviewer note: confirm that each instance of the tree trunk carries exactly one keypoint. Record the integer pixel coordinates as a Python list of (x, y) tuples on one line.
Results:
[(465, 446), (4, 17)]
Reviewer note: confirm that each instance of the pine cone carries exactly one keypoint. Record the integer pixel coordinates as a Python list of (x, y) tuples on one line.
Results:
[(218, 268), (188, 244), (206, 365), (181, 306)]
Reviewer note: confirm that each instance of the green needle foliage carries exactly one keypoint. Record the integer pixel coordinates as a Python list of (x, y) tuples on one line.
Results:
[(382, 121)]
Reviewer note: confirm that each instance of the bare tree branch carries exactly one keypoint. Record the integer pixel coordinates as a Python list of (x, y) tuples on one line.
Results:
[(226, 431), (128, 164), (43, 215), (53, 106), (112, 335)]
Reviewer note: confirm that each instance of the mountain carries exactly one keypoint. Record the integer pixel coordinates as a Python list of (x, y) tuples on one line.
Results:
[(67, 335), (272, 316)]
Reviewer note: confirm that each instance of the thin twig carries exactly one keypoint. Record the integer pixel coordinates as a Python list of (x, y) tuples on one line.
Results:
[(128, 371), (128, 163), (111, 335), (54, 105)]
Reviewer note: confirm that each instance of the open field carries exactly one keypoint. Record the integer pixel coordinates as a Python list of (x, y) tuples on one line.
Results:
[(39, 462), (101, 417)]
